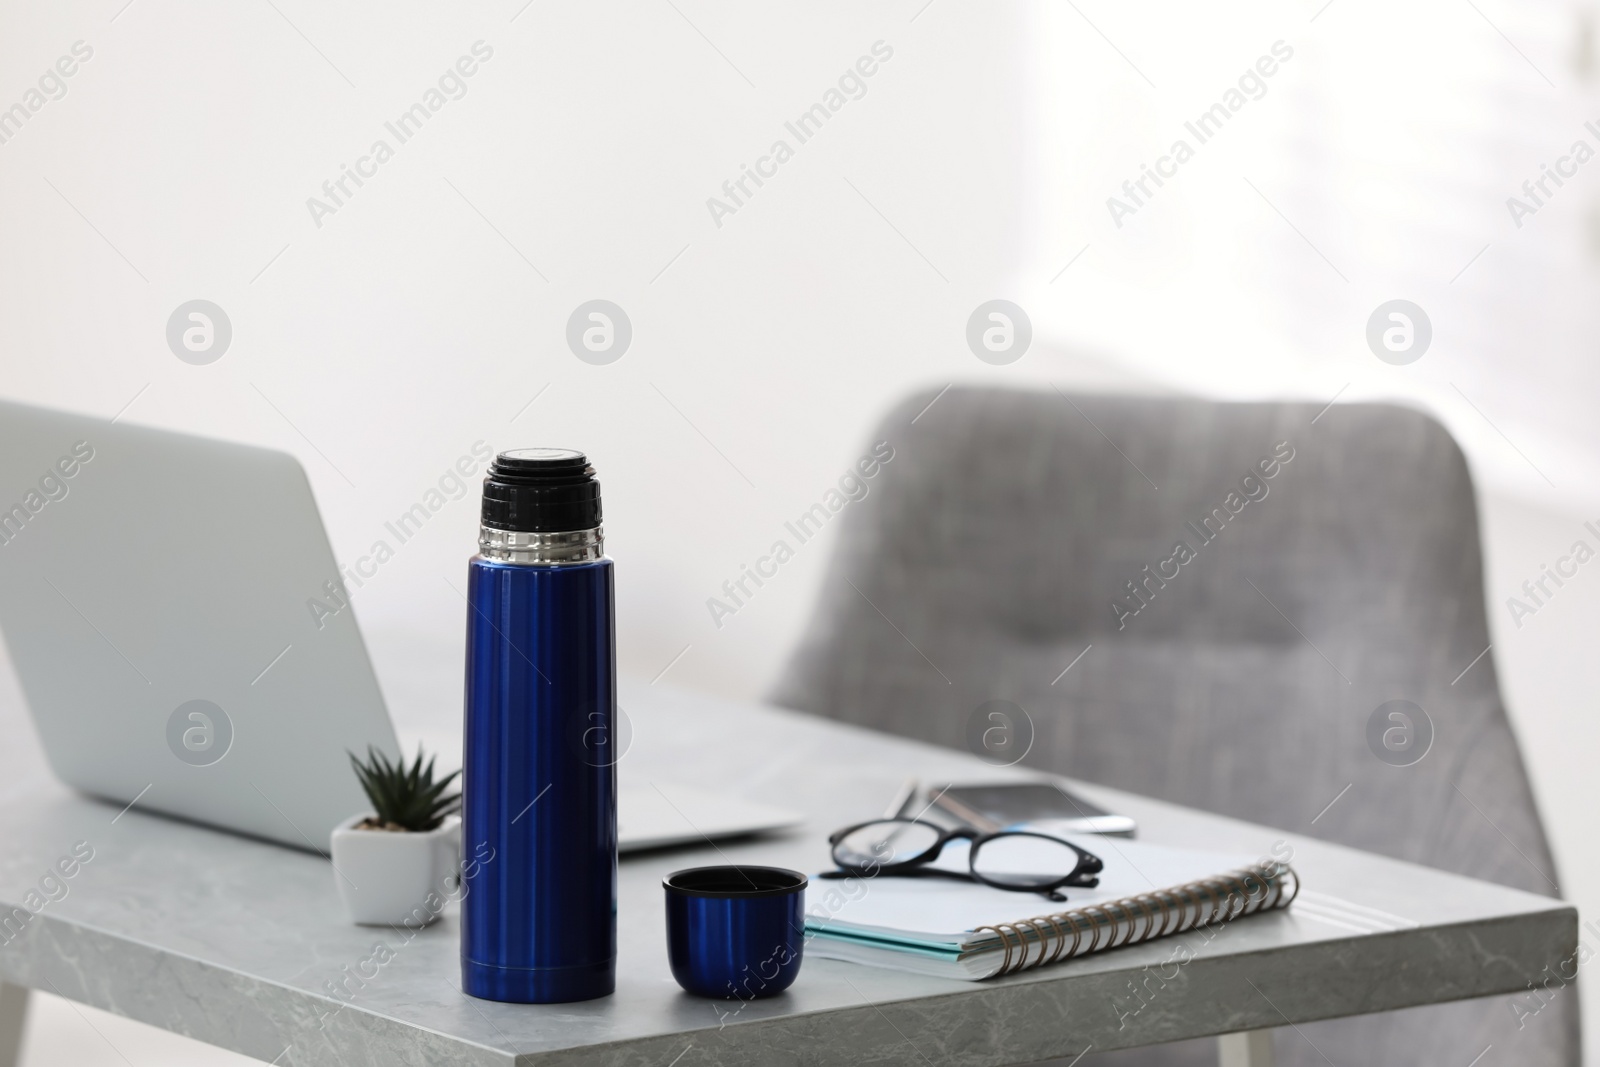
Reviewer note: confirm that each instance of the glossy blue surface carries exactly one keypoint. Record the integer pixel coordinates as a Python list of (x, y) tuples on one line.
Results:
[(539, 787), (735, 947)]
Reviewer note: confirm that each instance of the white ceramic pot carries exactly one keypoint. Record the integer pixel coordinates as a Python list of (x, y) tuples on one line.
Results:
[(396, 878)]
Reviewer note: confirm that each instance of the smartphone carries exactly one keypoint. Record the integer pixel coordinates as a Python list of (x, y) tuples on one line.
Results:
[(1003, 804)]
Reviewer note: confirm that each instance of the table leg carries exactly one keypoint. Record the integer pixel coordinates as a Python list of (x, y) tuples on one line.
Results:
[(13, 1013), (1252, 1048)]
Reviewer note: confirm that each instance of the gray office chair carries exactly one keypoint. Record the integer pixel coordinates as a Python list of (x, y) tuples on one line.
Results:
[(1012, 530)]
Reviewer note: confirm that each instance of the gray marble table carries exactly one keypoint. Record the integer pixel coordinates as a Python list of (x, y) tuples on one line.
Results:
[(237, 943)]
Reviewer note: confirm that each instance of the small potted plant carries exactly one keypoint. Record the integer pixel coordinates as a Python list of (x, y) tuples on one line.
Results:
[(398, 863)]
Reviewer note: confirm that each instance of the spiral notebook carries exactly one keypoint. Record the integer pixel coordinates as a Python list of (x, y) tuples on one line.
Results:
[(956, 929)]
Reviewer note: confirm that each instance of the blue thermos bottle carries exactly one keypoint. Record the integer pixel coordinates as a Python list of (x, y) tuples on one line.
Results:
[(539, 780)]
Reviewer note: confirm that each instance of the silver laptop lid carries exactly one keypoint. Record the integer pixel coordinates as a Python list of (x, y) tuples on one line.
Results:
[(172, 607)]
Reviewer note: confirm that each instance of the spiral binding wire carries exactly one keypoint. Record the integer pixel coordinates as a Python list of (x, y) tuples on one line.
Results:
[(1256, 888)]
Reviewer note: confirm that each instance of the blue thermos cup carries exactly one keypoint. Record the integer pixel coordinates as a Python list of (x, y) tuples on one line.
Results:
[(539, 785)]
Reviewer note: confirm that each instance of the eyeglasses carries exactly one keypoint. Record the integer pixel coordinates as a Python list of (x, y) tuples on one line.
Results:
[(1016, 860)]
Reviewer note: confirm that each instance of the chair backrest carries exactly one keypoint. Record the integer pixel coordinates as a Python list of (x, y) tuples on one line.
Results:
[(1239, 589), (1252, 584)]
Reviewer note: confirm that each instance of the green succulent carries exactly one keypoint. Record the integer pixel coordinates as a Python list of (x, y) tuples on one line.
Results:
[(404, 798)]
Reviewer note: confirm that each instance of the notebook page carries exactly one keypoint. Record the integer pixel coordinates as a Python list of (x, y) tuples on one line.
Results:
[(941, 913)]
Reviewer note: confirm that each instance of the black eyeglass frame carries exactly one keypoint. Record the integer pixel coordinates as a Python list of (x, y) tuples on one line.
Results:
[(1082, 876)]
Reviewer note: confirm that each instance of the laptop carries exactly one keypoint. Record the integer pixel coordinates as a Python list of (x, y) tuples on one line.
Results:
[(153, 596)]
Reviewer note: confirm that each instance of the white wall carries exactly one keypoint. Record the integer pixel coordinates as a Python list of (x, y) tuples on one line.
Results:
[(428, 311), (381, 345)]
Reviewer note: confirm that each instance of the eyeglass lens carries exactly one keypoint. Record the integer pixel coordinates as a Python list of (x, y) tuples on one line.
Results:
[(887, 842), (1025, 861)]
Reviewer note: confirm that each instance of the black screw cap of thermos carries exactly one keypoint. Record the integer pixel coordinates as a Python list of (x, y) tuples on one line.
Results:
[(541, 490)]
